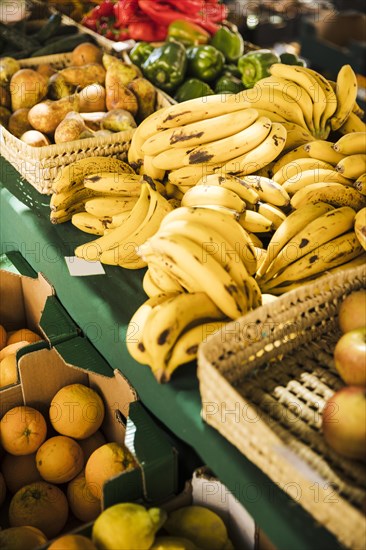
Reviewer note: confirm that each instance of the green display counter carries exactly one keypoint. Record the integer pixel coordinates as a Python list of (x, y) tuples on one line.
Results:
[(102, 306)]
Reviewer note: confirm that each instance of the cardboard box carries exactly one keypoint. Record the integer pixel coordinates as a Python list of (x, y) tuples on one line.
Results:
[(43, 372)]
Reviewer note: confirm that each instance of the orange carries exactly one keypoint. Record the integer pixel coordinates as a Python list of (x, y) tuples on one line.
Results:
[(21, 335), (3, 337), (106, 462), (76, 411), (90, 444), (19, 471), (40, 505), (12, 348), (2, 489), (22, 430), (83, 504), (59, 459), (8, 371), (72, 542), (19, 538)]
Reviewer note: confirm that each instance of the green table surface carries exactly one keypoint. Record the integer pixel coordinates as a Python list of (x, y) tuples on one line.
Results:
[(102, 306)]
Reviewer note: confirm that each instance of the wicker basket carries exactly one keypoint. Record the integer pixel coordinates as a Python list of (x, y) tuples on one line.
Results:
[(264, 380), (39, 165)]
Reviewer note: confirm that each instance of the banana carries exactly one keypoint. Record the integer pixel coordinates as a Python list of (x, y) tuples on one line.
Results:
[(168, 320), (323, 229), (352, 124), (296, 135), (313, 176), (90, 224), (114, 183), (255, 222), (237, 185), (63, 200), (255, 294), (255, 159), (198, 133), (306, 80), (323, 150), (172, 159), (65, 214), (295, 168), (352, 166), (162, 278), (266, 171), (126, 253), (290, 156), (135, 328), (109, 206), (279, 102), (360, 227), (346, 92), (73, 174), (172, 191), (360, 184), (351, 144), (255, 241), (273, 117), (149, 286), (91, 251), (118, 219), (227, 148), (356, 108), (190, 175), (186, 347), (327, 256), (333, 193), (223, 221), (272, 213), (149, 169), (296, 92), (330, 98), (135, 156), (268, 190), (201, 270), (208, 195), (295, 222)]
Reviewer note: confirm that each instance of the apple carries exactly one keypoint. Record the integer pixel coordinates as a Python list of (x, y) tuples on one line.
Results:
[(352, 311), (344, 422), (350, 357)]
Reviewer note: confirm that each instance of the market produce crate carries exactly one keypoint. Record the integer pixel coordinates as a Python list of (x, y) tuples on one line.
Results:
[(40, 165), (264, 380)]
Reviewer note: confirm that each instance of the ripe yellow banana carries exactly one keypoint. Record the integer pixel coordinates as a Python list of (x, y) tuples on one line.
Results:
[(333, 193), (114, 183), (296, 135), (313, 176), (360, 184), (237, 185), (208, 195), (149, 169), (135, 329), (190, 175), (351, 144), (90, 224), (162, 278), (319, 231), (62, 201), (118, 219), (330, 98), (294, 169), (323, 150), (272, 213), (352, 166), (290, 156), (108, 205), (268, 190), (65, 214), (255, 222), (273, 117), (327, 256), (265, 153), (171, 159), (227, 148), (198, 133), (294, 223), (73, 174), (149, 286), (352, 124), (346, 92), (360, 227)]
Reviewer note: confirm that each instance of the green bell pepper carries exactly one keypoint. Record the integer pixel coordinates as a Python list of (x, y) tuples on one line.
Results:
[(187, 33), (166, 66), (192, 88), (228, 84), (140, 52), (229, 42), (255, 65), (205, 62), (292, 59), (232, 70)]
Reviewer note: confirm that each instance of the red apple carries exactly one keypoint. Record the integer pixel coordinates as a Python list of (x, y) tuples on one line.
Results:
[(350, 357), (344, 422), (352, 311)]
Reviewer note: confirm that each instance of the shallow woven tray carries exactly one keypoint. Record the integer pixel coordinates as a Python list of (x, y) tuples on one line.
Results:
[(264, 380), (39, 165)]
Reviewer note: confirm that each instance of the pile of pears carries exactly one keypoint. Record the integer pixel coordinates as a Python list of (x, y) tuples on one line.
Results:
[(96, 95)]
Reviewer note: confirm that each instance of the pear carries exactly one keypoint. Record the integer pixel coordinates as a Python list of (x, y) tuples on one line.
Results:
[(90, 73), (146, 97), (8, 67), (4, 116), (58, 87), (118, 120), (19, 123), (118, 96), (126, 71), (35, 138), (27, 87), (48, 114), (71, 128)]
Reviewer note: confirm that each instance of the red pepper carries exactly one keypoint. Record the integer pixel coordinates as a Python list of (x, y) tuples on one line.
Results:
[(125, 12), (147, 31), (162, 13), (90, 23), (105, 9)]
